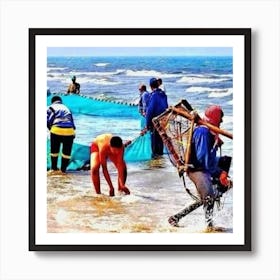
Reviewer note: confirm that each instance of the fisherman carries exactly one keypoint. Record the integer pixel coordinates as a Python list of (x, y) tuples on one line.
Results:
[(143, 103), (62, 131), (161, 85), (103, 148), (144, 99), (74, 87), (157, 105), (206, 167)]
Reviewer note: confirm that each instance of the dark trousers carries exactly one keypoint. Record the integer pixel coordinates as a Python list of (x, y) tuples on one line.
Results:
[(67, 143), (157, 144)]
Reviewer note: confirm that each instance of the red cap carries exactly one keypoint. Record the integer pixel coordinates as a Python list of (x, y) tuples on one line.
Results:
[(213, 114)]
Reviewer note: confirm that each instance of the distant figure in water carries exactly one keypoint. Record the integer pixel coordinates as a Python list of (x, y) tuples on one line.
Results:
[(161, 85), (74, 87), (207, 167), (104, 147)]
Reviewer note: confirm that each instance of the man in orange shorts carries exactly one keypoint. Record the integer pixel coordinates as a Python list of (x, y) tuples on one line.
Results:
[(104, 147)]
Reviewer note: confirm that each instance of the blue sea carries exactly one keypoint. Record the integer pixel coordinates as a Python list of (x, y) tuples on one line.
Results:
[(201, 80)]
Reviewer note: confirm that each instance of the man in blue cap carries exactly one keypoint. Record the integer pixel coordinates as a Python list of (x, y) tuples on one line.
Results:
[(74, 87), (157, 105)]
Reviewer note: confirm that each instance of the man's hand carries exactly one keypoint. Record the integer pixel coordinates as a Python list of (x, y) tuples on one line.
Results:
[(218, 142), (224, 179), (143, 131), (125, 190), (128, 142)]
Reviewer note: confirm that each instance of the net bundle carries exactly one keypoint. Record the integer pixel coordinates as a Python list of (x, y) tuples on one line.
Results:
[(175, 129)]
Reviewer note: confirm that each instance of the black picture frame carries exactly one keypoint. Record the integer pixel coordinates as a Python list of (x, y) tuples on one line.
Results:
[(35, 33)]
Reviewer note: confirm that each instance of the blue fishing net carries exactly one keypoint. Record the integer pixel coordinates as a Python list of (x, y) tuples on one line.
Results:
[(138, 150), (80, 157), (81, 104)]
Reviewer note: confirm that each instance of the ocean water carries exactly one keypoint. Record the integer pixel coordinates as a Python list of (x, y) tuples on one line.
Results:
[(72, 203)]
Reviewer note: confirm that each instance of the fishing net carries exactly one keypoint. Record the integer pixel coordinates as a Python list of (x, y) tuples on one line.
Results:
[(139, 150), (81, 104), (80, 157), (175, 126)]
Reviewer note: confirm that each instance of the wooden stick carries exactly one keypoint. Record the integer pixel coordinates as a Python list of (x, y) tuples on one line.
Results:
[(214, 128)]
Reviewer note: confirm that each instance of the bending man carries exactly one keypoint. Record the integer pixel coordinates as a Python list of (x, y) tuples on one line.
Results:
[(104, 147)]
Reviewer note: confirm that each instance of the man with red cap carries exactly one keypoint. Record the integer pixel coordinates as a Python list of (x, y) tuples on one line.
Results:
[(206, 166)]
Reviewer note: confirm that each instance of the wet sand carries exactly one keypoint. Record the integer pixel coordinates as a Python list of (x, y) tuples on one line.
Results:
[(157, 192)]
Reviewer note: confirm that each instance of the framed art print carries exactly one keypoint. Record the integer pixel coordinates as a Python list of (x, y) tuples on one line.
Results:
[(167, 192)]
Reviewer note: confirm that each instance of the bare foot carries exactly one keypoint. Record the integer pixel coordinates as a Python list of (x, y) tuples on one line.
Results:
[(173, 221), (125, 190)]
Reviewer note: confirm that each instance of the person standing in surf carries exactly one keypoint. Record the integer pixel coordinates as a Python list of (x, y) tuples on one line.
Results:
[(74, 87), (62, 131), (103, 148), (144, 99), (161, 85), (207, 167), (157, 105), (143, 103)]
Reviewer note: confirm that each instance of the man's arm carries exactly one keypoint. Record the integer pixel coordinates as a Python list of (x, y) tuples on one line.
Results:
[(68, 89), (150, 112), (122, 174), (204, 153), (106, 174), (146, 99), (50, 117)]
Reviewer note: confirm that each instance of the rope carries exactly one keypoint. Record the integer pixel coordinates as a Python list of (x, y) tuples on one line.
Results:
[(196, 198)]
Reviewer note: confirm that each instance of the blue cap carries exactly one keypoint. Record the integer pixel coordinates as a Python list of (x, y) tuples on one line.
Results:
[(153, 83)]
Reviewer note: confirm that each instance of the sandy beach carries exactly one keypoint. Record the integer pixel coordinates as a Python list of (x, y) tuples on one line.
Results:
[(157, 192)]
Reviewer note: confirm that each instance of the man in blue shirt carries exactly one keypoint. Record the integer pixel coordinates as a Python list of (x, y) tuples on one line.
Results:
[(143, 104), (61, 125), (144, 99), (206, 166), (157, 105)]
